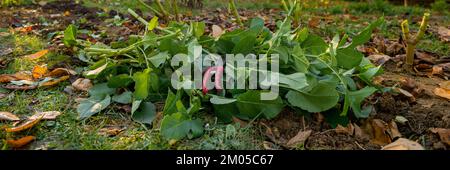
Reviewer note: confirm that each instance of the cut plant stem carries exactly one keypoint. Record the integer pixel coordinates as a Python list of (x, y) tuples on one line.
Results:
[(411, 43), (161, 8), (235, 12), (175, 10), (143, 21), (157, 13), (116, 52)]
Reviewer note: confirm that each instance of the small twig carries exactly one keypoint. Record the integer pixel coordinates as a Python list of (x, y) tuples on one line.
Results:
[(359, 145)]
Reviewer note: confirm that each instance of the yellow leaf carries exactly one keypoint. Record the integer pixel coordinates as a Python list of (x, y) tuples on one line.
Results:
[(39, 71), (27, 125), (442, 93), (36, 55), (54, 82), (20, 142)]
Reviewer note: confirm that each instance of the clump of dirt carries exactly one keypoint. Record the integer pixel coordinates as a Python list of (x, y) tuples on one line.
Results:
[(330, 140)]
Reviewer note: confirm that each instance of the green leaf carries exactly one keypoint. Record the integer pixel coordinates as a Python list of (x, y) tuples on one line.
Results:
[(142, 84), (124, 98), (225, 112), (367, 75), (93, 105), (171, 100), (122, 80), (333, 118), (199, 29), (250, 105), (196, 104), (322, 97), (296, 81), (355, 99), (70, 36), (93, 73), (101, 89), (145, 114), (221, 100), (364, 36), (300, 62), (159, 59), (245, 44), (135, 106), (314, 45), (153, 23), (178, 125), (348, 58)]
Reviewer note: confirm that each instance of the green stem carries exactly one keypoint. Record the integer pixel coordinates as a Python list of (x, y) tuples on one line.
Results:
[(235, 12), (175, 10), (151, 8), (143, 21), (116, 52), (161, 8)]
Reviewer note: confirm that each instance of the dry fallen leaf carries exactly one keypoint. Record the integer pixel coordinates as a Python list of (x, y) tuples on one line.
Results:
[(403, 144), (58, 72), (23, 75), (6, 78), (445, 85), (27, 125), (39, 71), (36, 55), (350, 129), (444, 34), (20, 142), (16, 87), (82, 84), (216, 31), (50, 115), (444, 134), (3, 95), (54, 81), (299, 139), (8, 116), (393, 131), (379, 129), (379, 59), (442, 93), (110, 131)]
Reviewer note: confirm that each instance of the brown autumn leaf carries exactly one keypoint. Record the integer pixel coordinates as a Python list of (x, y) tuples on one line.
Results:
[(20, 142), (442, 93), (437, 70), (350, 129), (54, 81), (379, 129), (216, 31), (6, 78), (23, 75), (314, 22), (58, 72), (82, 84), (444, 134), (36, 55), (8, 116), (110, 131), (393, 131), (39, 71), (445, 85), (299, 139), (403, 144), (16, 87), (379, 59), (444, 34), (24, 126), (50, 115)]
